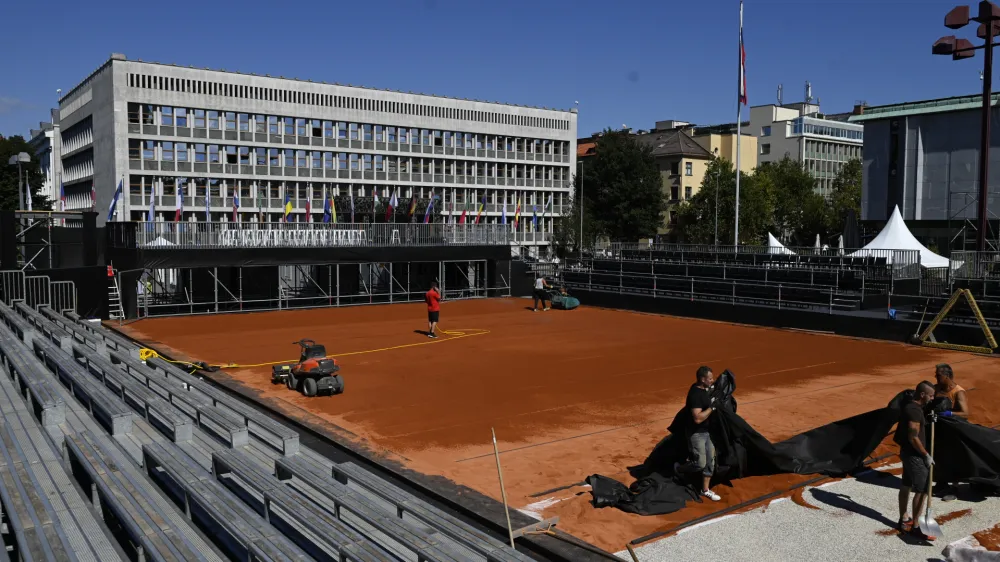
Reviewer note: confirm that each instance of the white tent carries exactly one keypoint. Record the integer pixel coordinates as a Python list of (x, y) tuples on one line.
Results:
[(896, 236), (775, 247)]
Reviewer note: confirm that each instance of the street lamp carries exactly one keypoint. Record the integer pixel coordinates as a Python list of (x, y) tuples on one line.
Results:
[(989, 27), (580, 246), (18, 159), (716, 157)]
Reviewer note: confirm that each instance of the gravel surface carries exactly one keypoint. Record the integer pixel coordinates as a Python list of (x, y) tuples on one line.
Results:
[(852, 520)]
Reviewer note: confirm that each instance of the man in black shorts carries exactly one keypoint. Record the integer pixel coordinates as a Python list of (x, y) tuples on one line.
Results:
[(540, 295), (433, 300), (916, 460)]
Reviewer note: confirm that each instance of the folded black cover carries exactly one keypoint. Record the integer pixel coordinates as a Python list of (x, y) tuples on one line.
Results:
[(964, 452)]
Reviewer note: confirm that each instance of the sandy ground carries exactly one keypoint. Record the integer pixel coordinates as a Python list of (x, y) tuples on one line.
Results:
[(838, 521), (569, 393)]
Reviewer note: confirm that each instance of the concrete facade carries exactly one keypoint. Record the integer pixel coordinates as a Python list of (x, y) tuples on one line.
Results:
[(802, 133), (45, 142), (161, 126), (924, 157)]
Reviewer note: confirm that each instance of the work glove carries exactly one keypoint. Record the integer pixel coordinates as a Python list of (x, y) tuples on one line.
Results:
[(929, 461), (946, 414)]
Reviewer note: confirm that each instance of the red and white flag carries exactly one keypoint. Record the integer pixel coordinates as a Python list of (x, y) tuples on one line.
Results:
[(180, 202), (743, 63)]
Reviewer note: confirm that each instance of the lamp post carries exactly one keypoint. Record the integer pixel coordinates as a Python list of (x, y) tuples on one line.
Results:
[(580, 246), (18, 159), (716, 157), (989, 27)]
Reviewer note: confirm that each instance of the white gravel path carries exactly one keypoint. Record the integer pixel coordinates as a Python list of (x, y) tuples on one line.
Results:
[(845, 527)]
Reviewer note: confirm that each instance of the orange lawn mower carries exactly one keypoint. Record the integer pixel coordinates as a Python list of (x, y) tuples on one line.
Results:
[(314, 374)]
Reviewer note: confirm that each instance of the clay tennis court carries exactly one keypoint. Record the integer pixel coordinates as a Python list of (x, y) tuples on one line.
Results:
[(569, 393)]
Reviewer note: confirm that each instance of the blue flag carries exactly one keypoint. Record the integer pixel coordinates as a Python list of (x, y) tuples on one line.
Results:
[(114, 201)]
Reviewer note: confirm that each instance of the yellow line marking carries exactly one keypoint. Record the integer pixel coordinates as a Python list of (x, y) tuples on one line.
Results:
[(146, 353)]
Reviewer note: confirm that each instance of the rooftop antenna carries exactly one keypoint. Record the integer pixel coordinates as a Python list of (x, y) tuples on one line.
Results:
[(809, 92), (780, 90)]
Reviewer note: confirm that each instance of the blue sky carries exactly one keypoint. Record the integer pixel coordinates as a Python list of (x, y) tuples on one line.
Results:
[(627, 62)]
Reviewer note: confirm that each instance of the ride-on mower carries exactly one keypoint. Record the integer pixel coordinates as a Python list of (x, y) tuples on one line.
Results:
[(314, 374)]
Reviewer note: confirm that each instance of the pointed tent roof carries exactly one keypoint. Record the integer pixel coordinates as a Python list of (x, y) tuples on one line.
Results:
[(775, 247), (896, 236)]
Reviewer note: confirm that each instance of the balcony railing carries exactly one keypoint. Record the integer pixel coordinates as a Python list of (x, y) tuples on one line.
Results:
[(201, 235)]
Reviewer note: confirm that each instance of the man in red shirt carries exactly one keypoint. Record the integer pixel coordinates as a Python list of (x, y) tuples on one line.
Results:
[(433, 299)]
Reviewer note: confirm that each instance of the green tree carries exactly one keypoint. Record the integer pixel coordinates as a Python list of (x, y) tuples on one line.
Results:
[(622, 188), (696, 217), (799, 212), (846, 195), (566, 232), (11, 146)]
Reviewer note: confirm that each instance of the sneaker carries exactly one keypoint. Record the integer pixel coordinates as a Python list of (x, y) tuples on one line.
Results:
[(711, 495), (432, 335), (534, 310), (547, 309)]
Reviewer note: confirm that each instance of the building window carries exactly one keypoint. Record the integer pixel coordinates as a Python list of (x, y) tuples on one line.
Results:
[(289, 126), (213, 120), (765, 131), (199, 153), (289, 157), (317, 160), (300, 127), (260, 124), (354, 161), (244, 122), (182, 152), (181, 116), (354, 131), (148, 150), (328, 129), (342, 131), (687, 192), (765, 149), (134, 113), (675, 169), (391, 133), (402, 135), (342, 161), (199, 118), (230, 121), (688, 169), (167, 154), (134, 149), (274, 157), (367, 133), (260, 156), (213, 154), (368, 162), (674, 193), (378, 163)]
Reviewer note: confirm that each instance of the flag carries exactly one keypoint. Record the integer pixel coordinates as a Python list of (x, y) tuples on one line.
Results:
[(743, 63), (180, 202), (374, 202), (503, 210), (114, 200), (208, 202), (309, 207), (93, 198), (548, 206), (151, 215), (479, 212), (327, 208), (413, 206), (534, 215), (461, 219), (62, 196), (236, 204), (288, 204), (430, 207), (517, 213), (393, 203), (352, 205)]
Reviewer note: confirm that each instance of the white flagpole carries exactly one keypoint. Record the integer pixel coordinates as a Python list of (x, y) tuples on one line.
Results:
[(739, 127)]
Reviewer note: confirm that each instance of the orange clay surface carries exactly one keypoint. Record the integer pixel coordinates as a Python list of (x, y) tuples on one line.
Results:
[(570, 393)]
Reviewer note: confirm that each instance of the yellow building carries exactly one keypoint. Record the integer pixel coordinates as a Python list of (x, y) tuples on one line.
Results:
[(723, 145), (682, 163)]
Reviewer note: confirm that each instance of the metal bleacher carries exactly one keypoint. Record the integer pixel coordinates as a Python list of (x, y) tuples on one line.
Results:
[(104, 456)]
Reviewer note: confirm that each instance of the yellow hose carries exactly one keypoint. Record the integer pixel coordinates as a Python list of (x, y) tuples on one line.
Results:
[(146, 353)]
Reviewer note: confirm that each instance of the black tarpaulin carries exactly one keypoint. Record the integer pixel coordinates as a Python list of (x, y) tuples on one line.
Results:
[(965, 452)]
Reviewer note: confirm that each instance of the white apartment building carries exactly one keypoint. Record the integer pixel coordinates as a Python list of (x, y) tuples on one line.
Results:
[(801, 132), (168, 129)]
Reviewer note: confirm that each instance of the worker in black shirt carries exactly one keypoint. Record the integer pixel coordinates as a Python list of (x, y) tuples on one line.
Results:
[(916, 460), (700, 406)]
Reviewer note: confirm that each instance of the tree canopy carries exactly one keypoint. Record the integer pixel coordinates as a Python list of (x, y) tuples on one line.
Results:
[(696, 217), (10, 146), (622, 188), (846, 195)]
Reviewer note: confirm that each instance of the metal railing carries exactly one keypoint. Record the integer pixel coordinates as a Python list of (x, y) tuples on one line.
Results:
[(37, 290), (824, 299), (975, 265), (902, 264), (201, 235)]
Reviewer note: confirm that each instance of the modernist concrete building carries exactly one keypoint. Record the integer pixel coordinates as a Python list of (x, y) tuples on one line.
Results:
[(801, 132), (45, 141), (167, 129), (924, 157)]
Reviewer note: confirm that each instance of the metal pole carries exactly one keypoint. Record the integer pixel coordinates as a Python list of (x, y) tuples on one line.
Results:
[(20, 188), (717, 203), (581, 211), (984, 142)]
